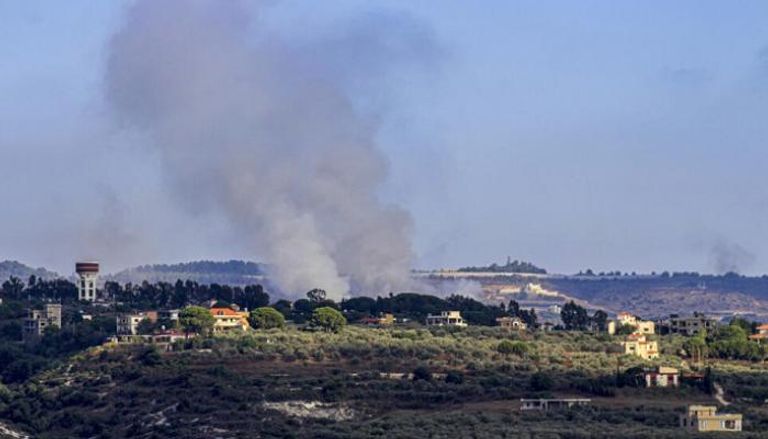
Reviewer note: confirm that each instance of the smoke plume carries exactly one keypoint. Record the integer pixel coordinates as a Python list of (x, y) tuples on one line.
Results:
[(729, 257), (263, 132)]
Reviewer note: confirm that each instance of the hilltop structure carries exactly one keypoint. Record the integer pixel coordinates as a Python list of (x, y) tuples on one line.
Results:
[(626, 319), (88, 276), (639, 345), (511, 323), (704, 418), (691, 325), (38, 320), (446, 318)]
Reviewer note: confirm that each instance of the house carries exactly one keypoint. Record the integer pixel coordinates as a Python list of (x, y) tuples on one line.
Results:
[(168, 336), (625, 318), (38, 320), (384, 319), (227, 319), (704, 418), (446, 318), (511, 323), (639, 345), (555, 309), (168, 314), (691, 325), (762, 333), (128, 324), (662, 376), (545, 405)]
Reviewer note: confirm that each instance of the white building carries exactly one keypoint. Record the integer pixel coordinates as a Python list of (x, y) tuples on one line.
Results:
[(446, 318), (87, 276), (128, 324)]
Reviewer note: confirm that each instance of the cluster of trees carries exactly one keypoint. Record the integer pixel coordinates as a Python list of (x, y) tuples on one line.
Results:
[(576, 318), (509, 267), (729, 342)]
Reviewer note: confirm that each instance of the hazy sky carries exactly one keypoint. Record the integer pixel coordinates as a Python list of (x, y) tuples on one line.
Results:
[(611, 135)]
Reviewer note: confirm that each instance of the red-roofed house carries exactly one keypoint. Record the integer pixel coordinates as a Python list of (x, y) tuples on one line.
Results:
[(228, 319)]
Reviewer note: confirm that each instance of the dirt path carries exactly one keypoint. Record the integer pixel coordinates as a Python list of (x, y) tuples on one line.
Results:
[(720, 395)]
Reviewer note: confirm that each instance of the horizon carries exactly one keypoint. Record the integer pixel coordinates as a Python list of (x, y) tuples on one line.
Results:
[(623, 137)]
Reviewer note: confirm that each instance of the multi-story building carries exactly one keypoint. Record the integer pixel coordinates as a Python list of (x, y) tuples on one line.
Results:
[(704, 418), (128, 324), (545, 405), (227, 319), (690, 325), (627, 319), (762, 333), (639, 345), (511, 323), (446, 318), (87, 277), (38, 320)]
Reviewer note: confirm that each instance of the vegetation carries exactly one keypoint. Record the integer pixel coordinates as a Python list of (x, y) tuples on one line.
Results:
[(266, 318), (509, 267), (327, 319), (196, 319)]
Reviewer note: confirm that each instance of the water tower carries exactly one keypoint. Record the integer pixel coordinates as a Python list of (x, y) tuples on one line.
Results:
[(87, 276)]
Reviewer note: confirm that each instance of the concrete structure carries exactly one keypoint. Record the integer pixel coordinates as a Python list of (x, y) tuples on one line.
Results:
[(662, 376), (555, 309), (625, 318), (545, 405), (762, 333), (227, 319), (639, 345), (704, 418), (511, 323), (39, 319), (128, 324), (446, 318), (168, 314), (87, 277), (691, 325), (384, 319)]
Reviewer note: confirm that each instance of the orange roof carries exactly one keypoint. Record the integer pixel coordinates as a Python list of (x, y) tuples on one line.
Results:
[(763, 327), (758, 336), (224, 312)]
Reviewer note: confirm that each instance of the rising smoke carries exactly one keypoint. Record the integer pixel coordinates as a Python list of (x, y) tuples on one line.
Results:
[(263, 132)]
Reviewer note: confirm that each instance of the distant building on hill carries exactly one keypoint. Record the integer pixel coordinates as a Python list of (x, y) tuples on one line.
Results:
[(704, 418), (511, 323), (662, 376), (38, 320), (128, 324), (227, 319), (690, 325), (384, 319), (627, 319), (87, 277), (446, 318), (639, 345), (545, 405), (762, 333)]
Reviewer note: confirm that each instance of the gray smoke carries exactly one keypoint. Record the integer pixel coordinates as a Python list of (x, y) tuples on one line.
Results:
[(263, 132), (730, 257)]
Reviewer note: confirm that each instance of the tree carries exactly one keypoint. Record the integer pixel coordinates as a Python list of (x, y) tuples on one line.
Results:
[(316, 295), (327, 319), (145, 326), (507, 347), (266, 318), (422, 373), (196, 319), (600, 320), (541, 381), (574, 317)]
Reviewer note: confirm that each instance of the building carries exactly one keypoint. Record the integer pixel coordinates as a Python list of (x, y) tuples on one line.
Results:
[(446, 318), (545, 405), (87, 277), (38, 320), (691, 325), (762, 333), (639, 345), (168, 314), (662, 376), (625, 318), (384, 319), (227, 319), (555, 309), (704, 418), (511, 323), (168, 336), (128, 324)]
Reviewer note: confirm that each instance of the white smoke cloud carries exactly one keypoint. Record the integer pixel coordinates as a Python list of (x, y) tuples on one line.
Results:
[(265, 133)]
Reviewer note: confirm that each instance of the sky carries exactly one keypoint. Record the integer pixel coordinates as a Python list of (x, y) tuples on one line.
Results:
[(625, 136)]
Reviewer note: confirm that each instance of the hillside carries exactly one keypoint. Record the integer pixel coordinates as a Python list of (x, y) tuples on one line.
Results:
[(233, 272), (23, 272), (359, 383)]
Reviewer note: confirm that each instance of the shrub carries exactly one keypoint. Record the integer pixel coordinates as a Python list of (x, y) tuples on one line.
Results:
[(327, 319), (266, 318), (507, 347), (422, 373)]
